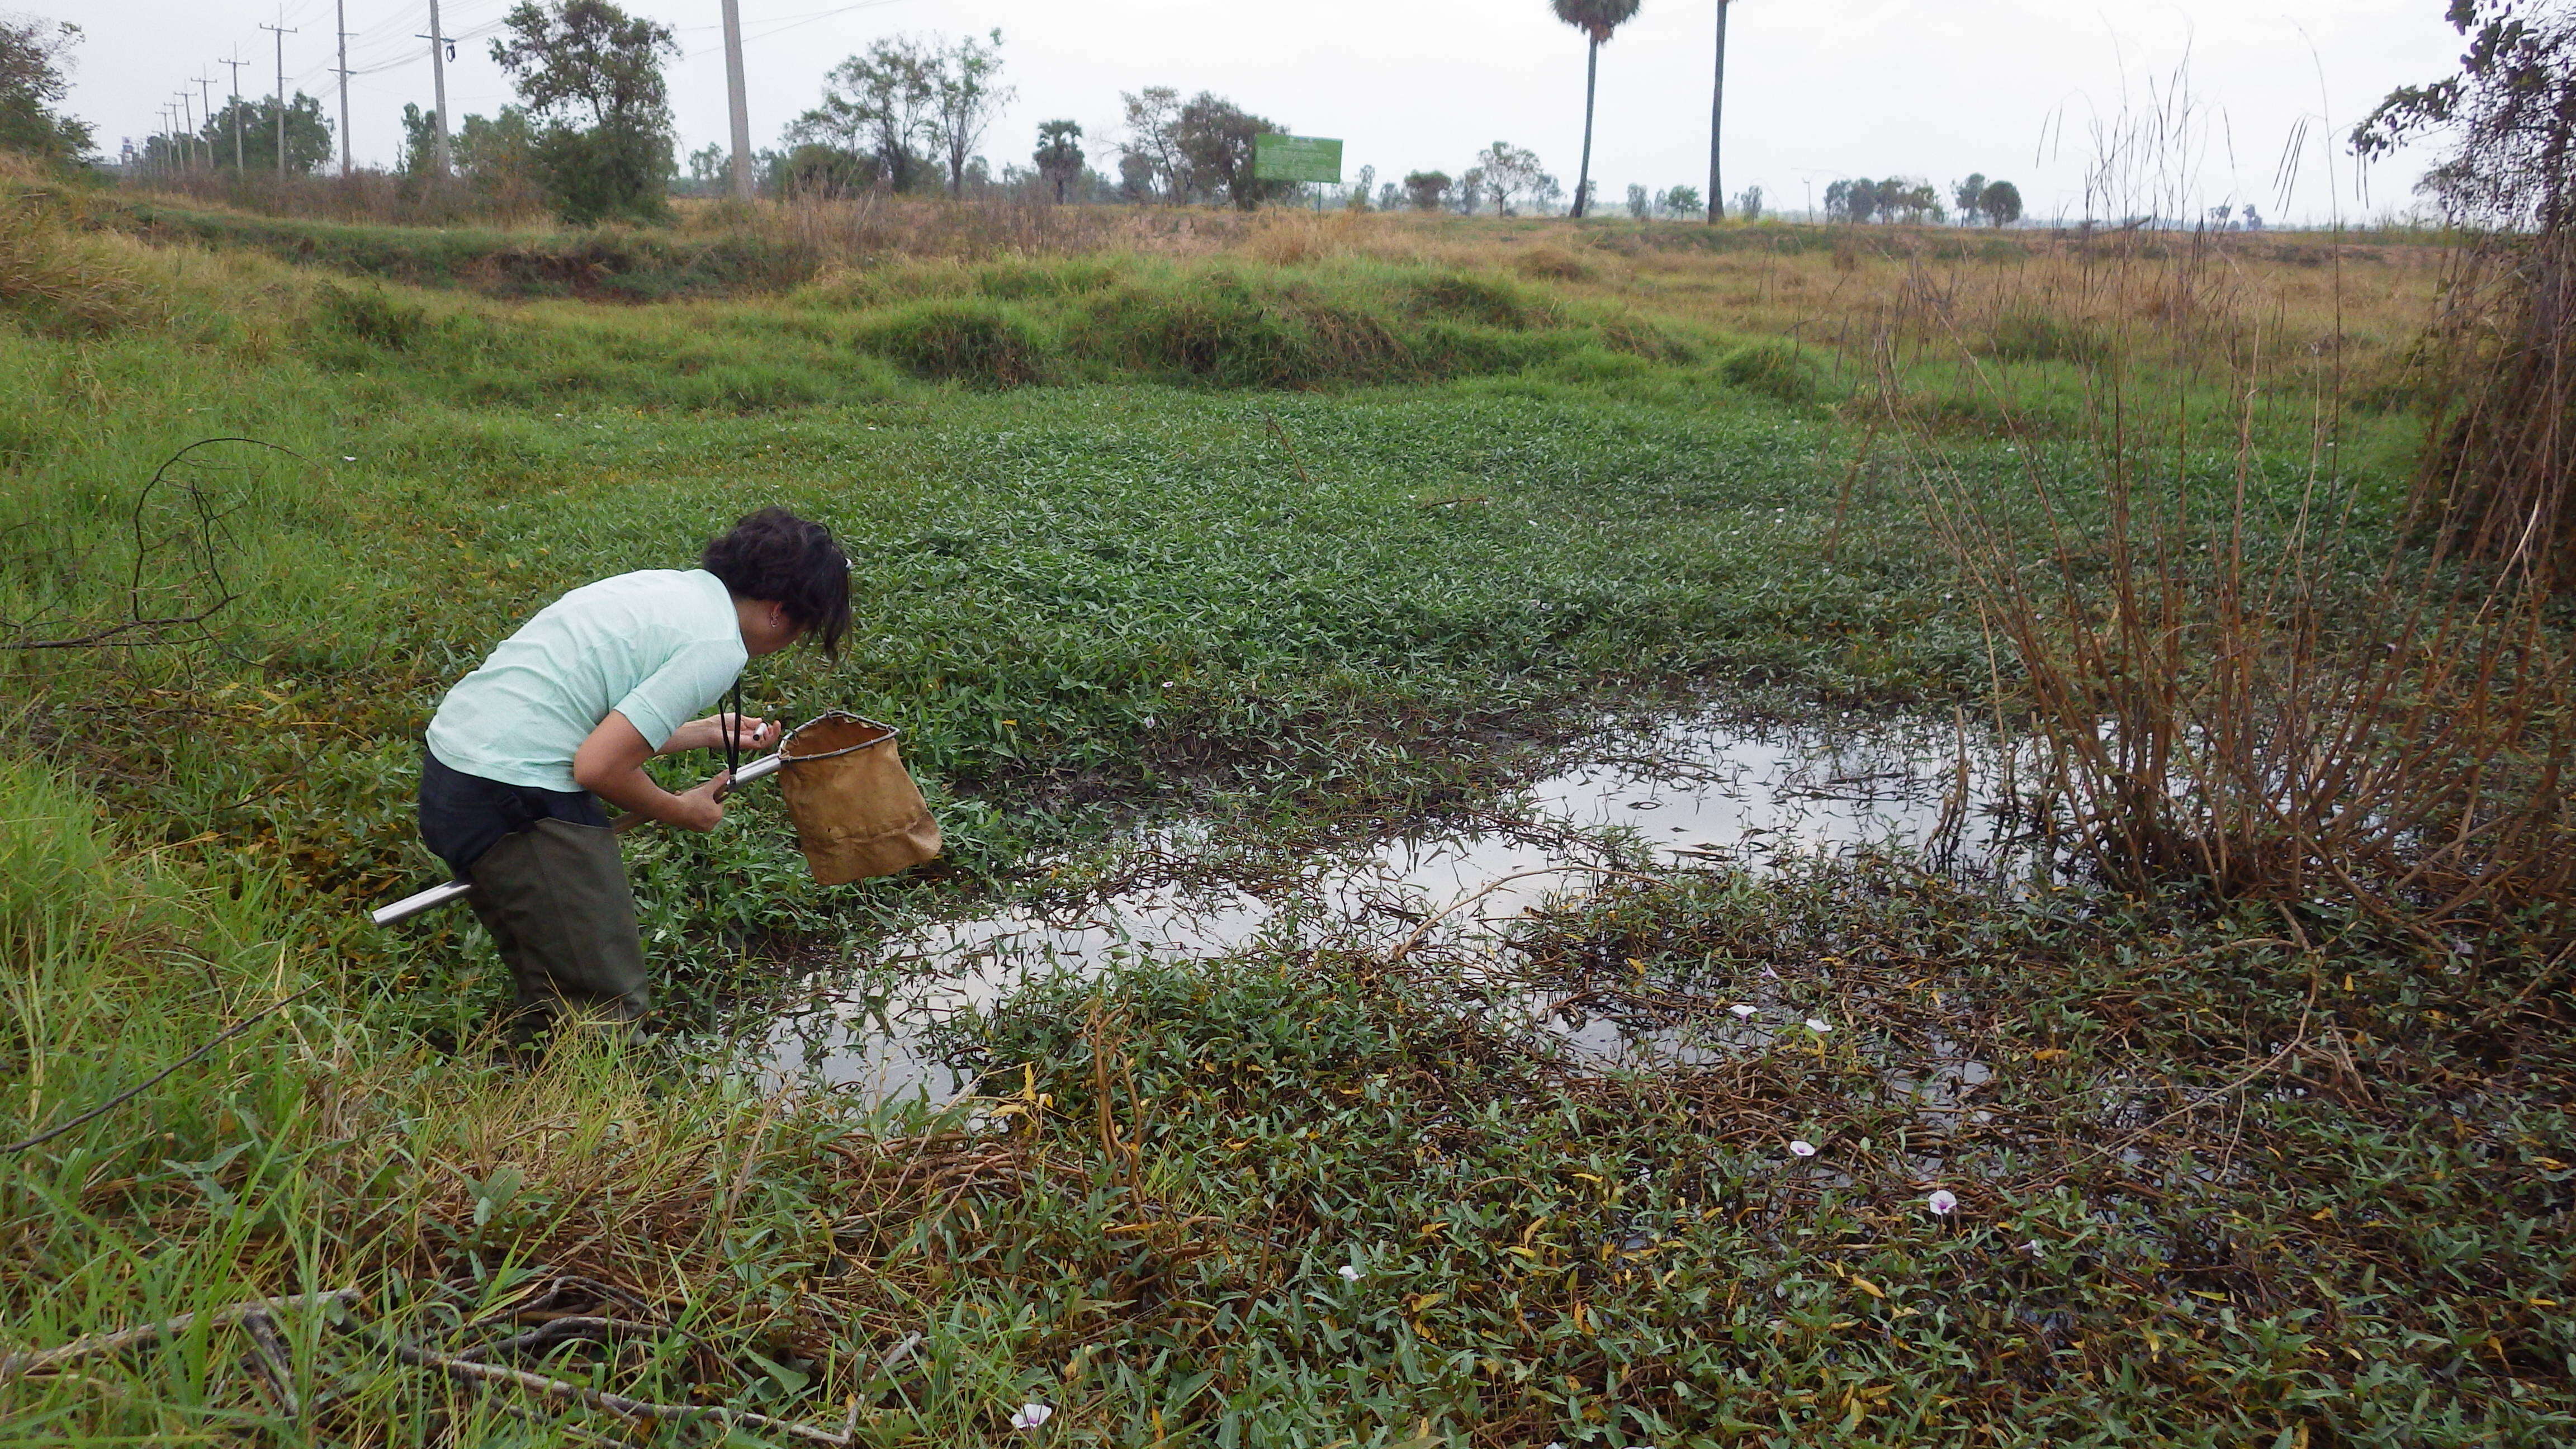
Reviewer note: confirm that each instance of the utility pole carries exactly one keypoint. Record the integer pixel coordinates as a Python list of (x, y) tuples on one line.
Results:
[(281, 34), (1717, 123), (437, 38), (737, 99), (206, 91), (341, 9), (188, 118), (236, 63)]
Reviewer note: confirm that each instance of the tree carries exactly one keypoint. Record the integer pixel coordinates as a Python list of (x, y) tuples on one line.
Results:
[(1596, 19), (877, 105), (308, 136), (1135, 178), (1681, 201), (1059, 155), (1901, 198), (2000, 203), (1366, 183), (498, 156), (420, 141), (1214, 137), (1639, 202), (1153, 116), (826, 173), (1508, 171), (1969, 196), (1425, 189), (2497, 474), (707, 167), (964, 101), (1389, 196), (2510, 114), (1470, 194), (32, 82), (1748, 203), (591, 77), (1852, 201)]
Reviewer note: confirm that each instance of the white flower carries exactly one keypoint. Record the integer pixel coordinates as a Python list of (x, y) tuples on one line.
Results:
[(2032, 1247), (1349, 1273), (1742, 1011), (1819, 1024), (1031, 1416), (347, 458), (1942, 1203), (1802, 1149)]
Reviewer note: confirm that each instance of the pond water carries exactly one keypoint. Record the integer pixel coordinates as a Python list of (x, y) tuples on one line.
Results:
[(1697, 791)]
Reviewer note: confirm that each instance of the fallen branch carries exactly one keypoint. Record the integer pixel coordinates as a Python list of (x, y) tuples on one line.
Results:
[(38, 1360), (617, 1404), (128, 1095), (568, 1328)]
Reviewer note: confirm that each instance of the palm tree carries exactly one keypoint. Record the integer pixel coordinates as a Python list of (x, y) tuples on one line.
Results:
[(1596, 19)]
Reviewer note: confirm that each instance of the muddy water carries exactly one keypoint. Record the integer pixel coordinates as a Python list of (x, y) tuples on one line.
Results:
[(1694, 792)]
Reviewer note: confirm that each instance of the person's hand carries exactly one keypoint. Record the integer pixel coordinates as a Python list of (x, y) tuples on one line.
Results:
[(754, 733), (703, 807)]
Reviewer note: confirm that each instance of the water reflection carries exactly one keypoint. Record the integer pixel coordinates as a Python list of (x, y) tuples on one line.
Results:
[(1693, 792)]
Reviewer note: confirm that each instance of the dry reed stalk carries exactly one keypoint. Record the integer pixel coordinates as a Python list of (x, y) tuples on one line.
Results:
[(2226, 695)]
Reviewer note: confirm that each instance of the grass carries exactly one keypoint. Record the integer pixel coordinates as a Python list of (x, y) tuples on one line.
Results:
[(1306, 526)]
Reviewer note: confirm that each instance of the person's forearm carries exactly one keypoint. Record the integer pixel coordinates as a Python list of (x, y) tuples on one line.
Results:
[(632, 789)]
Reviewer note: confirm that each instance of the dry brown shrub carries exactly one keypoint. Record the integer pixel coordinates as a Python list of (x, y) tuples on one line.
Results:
[(59, 279)]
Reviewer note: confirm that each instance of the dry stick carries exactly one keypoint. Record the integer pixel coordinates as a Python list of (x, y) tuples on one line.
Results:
[(121, 1098), (618, 1404), (269, 1360), (1492, 886), (2296, 1042), (37, 1360), (1285, 442)]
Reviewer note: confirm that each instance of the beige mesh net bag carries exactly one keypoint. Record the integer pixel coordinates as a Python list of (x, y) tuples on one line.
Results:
[(857, 812)]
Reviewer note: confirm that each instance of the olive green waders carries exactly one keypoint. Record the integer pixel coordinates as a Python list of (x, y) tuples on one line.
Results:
[(555, 898)]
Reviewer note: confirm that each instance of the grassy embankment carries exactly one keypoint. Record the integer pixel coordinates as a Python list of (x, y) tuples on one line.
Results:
[(1111, 563)]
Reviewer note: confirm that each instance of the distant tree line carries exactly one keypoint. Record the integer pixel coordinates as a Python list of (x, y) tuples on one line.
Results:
[(1911, 199)]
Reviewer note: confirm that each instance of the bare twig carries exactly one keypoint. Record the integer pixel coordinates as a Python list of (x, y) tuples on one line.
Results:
[(617, 1404), (268, 1359), (139, 631), (1491, 886), (1286, 442), (128, 1095), (568, 1328), (39, 1360)]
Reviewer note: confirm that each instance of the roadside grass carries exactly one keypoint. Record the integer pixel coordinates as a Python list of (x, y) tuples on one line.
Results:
[(1129, 585)]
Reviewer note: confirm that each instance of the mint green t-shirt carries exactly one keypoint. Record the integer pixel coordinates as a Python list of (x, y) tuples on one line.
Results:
[(659, 647)]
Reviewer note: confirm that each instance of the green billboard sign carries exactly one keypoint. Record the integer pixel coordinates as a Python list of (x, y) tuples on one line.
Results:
[(1296, 158)]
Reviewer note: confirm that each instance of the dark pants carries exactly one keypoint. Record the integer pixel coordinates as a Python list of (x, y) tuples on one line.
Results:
[(549, 886)]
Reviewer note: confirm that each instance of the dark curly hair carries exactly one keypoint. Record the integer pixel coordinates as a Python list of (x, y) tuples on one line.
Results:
[(777, 557)]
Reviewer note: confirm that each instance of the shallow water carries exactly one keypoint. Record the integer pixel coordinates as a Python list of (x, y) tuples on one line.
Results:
[(1694, 792)]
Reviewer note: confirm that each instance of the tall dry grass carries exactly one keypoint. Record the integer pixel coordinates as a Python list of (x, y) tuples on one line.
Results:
[(2240, 670), (60, 276)]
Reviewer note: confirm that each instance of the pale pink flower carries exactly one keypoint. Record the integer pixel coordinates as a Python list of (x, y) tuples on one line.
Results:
[(1943, 1203), (1742, 1011), (1802, 1149), (1030, 1417)]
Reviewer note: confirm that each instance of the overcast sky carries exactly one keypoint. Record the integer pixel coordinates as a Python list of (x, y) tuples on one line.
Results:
[(1817, 89)]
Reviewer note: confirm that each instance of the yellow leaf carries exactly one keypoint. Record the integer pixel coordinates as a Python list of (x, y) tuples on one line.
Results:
[(2049, 1054), (1866, 1286)]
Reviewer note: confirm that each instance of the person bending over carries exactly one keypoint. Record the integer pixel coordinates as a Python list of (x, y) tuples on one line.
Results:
[(564, 714)]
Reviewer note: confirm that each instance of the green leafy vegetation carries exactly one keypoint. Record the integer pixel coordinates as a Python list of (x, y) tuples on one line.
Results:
[(1311, 546)]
